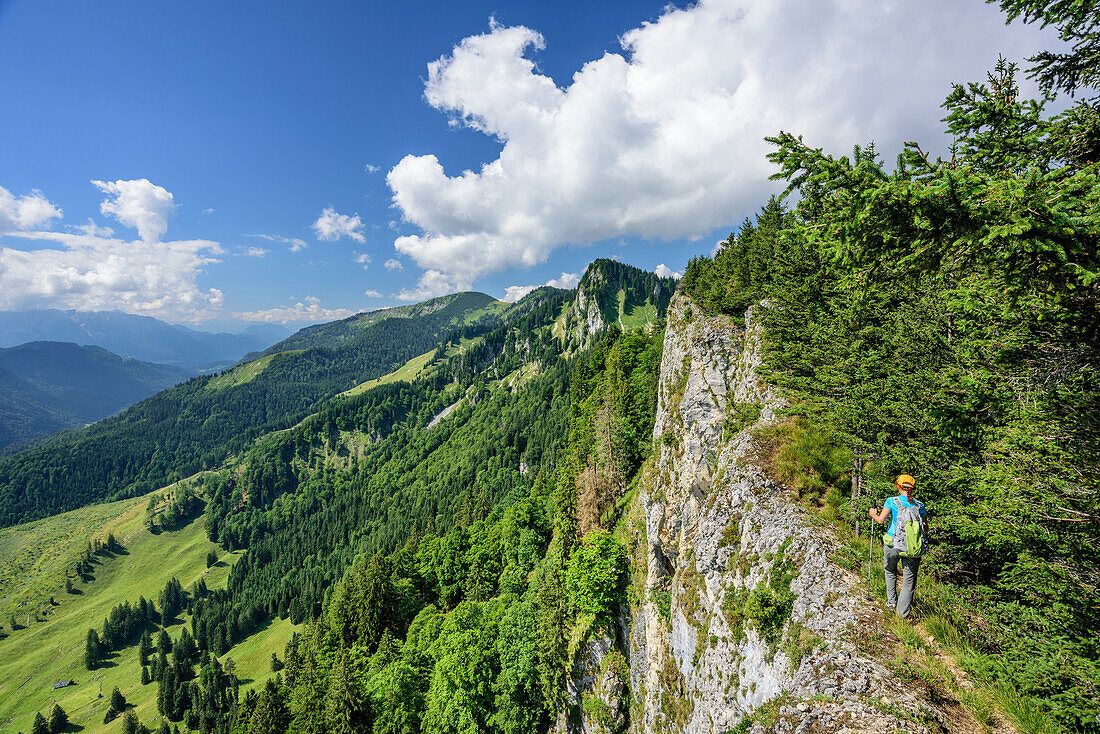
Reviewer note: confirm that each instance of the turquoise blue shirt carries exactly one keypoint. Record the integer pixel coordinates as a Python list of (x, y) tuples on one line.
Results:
[(893, 504)]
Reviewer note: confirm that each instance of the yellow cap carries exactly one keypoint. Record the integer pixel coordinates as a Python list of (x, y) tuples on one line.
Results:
[(906, 481)]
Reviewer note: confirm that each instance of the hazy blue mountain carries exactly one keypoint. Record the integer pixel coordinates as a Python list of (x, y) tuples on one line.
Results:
[(50, 386), (268, 333), (137, 337)]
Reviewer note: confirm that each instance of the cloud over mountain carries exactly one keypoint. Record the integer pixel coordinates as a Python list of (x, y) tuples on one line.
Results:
[(309, 311), (666, 139), (90, 269)]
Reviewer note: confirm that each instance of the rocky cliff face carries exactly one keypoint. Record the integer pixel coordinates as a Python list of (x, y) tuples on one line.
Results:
[(608, 293), (736, 605)]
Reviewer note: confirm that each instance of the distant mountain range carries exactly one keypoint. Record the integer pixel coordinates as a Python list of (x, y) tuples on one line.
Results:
[(50, 386), (137, 337)]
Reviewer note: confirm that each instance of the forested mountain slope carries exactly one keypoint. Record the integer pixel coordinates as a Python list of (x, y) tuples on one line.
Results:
[(539, 535), (48, 643), (610, 511), (939, 320), (50, 386), (611, 292), (454, 311), (197, 424), (481, 431)]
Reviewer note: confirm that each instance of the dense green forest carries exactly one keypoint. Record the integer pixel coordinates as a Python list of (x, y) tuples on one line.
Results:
[(942, 318), (464, 625), (195, 425), (425, 553)]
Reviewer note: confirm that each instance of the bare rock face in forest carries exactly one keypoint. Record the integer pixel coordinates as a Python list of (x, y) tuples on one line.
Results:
[(735, 603)]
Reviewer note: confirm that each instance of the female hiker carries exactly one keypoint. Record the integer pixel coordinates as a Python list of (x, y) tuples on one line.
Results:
[(903, 543)]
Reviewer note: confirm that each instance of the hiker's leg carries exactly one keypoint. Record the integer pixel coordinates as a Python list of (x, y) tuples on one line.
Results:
[(909, 568), (890, 565)]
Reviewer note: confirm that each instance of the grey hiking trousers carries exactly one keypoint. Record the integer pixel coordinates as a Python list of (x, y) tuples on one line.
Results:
[(903, 603)]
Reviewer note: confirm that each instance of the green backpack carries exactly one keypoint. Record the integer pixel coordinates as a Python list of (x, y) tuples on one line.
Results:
[(908, 539)]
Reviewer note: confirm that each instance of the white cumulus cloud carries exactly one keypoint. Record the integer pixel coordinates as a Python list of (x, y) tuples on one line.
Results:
[(666, 139), (566, 281), (309, 311), (296, 243), (515, 292), (140, 204), (664, 271), (372, 293), (371, 168), (89, 269), (432, 283), (92, 273), (393, 264), (25, 212), (332, 225), (363, 259), (256, 252)]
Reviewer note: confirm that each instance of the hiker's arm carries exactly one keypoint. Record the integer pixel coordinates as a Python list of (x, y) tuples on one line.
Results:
[(880, 516)]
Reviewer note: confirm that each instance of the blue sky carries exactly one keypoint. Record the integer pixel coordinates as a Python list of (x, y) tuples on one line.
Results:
[(211, 138)]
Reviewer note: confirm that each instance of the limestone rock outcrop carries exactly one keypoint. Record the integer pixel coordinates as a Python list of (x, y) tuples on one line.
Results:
[(736, 605)]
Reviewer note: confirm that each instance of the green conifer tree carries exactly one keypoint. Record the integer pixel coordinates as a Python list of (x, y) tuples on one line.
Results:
[(308, 701), (343, 704), (271, 714), (118, 701), (130, 723), (164, 642), (58, 719), (145, 647), (92, 650)]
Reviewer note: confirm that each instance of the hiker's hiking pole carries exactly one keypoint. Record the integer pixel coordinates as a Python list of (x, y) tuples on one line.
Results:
[(871, 548)]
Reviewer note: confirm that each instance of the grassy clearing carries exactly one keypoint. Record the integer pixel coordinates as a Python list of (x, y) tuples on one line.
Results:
[(245, 373), (35, 558), (33, 659), (520, 377), (495, 308), (406, 372), (252, 657), (642, 316), (557, 329)]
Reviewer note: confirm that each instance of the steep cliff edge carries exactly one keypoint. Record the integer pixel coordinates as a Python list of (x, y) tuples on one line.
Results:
[(738, 620)]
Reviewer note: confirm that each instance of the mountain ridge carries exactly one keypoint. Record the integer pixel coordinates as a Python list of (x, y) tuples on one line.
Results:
[(193, 426), (53, 386)]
